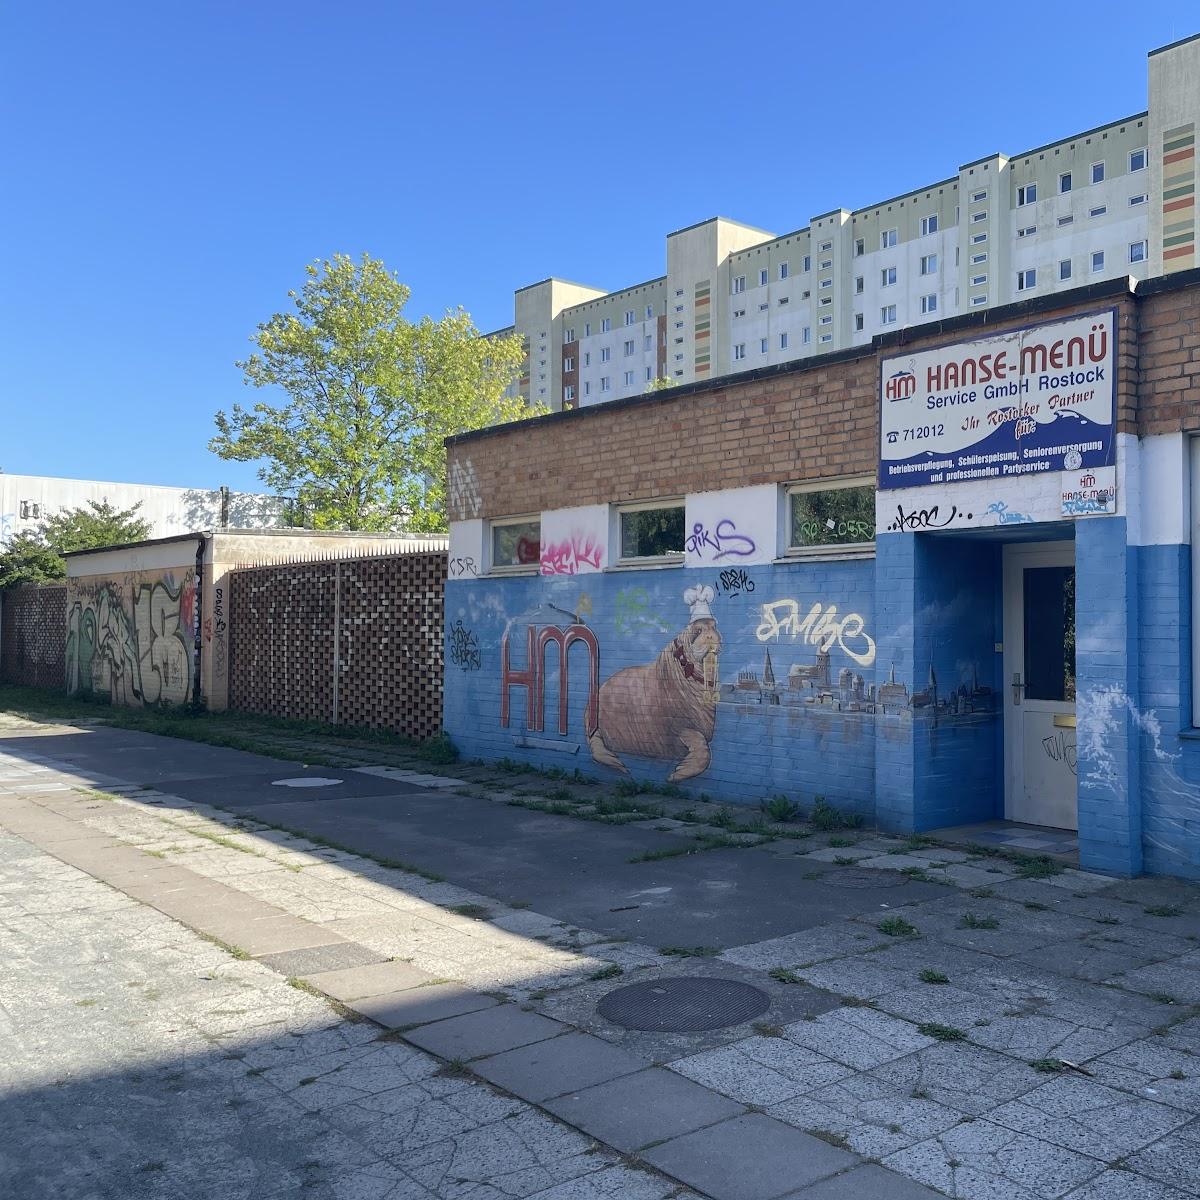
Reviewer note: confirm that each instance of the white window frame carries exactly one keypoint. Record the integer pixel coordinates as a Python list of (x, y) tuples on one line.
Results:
[(807, 262), (783, 341), (826, 338), (1140, 198), (887, 314), (568, 392), (1068, 176), (929, 264), (979, 197), (1026, 194), (614, 531), (826, 246), (978, 301), (738, 285), (1133, 155), (1096, 166), (1099, 211), (606, 325), (762, 277), (979, 216), (605, 354), (783, 270), (888, 238), (978, 259), (606, 383), (1141, 248), (764, 345), (490, 546), (977, 239), (859, 322), (929, 303), (887, 277), (929, 224), (630, 346), (1027, 279), (978, 280), (1097, 254), (806, 336), (849, 549), (569, 363), (630, 316), (739, 351), (630, 379), (1065, 262)]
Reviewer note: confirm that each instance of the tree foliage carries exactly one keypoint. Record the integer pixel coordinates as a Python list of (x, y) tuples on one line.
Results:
[(37, 556), (357, 442)]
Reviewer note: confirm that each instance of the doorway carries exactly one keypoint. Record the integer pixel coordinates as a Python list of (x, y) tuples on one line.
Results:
[(1039, 684)]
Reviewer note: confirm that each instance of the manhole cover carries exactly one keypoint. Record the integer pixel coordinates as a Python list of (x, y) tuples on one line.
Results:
[(863, 879), (305, 781), (684, 1004)]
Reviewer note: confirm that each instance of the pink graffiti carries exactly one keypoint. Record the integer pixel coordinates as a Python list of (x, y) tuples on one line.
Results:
[(568, 556)]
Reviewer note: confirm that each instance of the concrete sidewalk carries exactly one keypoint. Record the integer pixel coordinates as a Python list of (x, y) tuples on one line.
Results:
[(926, 1031)]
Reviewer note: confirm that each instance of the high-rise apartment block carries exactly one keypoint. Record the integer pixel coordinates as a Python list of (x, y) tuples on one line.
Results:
[(1113, 201)]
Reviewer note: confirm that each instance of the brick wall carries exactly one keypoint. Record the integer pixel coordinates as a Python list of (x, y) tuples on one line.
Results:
[(1169, 361), (33, 623), (810, 421), (351, 641)]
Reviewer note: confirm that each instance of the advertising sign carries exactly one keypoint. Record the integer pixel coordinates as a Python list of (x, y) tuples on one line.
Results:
[(1026, 401)]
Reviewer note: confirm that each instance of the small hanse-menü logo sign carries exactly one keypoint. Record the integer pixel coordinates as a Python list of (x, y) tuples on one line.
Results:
[(900, 386)]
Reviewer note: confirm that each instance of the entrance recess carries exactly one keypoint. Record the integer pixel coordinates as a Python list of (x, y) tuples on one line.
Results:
[(1039, 684)]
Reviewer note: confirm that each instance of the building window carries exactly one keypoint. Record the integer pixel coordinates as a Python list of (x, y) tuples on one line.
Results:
[(929, 303), (1026, 194), (1097, 260), (648, 342), (887, 239), (977, 239), (629, 378), (651, 532), (858, 285), (826, 246), (587, 388), (976, 259), (587, 358), (762, 345), (606, 325), (605, 383), (1098, 172), (605, 353), (858, 322), (516, 544), (887, 314), (807, 264), (806, 335), (979, 216), (739, 285), (568, 336), (649, 374), (568, 393), (826, 338), (825, 283), (763, 306), (630, 346), (1137, 160), (887, 276), (569, 363), (649, 312), (978, 280), (860, 247), (587, 329), (1067, 220), (928, 264), (783, 270), (978, 197), (1064, 269), (1026, 280), (630, 316), (1028, 231), (1098, 211), (1135, 200), (929, 225), (825, 320), (783, 341), (762, 278), (1137, 252), (739, 351), (783, 299), (978, 301), (1064, 182), (826, 518)]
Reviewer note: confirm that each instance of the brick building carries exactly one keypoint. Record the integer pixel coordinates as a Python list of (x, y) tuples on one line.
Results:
[(940, 579)]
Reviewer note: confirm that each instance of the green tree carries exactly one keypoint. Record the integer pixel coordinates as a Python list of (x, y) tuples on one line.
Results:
[(37, 556), (370, 396), (660, 384)]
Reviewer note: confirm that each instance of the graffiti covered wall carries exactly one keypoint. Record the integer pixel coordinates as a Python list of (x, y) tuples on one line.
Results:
[(130, 637)]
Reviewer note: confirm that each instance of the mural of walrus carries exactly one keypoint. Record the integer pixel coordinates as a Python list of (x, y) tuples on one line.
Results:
[(667, 708)]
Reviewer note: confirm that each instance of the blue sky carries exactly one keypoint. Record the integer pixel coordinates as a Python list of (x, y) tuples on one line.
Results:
[(169, 169)]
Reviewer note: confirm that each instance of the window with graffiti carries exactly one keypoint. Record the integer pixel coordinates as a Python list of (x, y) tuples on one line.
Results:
[(652, 532), (516, 543), (830, 517)]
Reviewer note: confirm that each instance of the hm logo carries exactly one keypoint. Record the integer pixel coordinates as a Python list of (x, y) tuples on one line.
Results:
[(900, 386)]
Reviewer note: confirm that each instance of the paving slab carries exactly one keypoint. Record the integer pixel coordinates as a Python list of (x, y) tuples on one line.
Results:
[(486, 1032), (569, 1063), (868, 1182), (372, 978), (642, 1109), (421, 1005), (1173, 1160), (268, 935), (751, 1157), (332, 956)]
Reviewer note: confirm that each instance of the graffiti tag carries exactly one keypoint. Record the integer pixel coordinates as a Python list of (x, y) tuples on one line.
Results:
[(570, 555), (923, 518), (734, 580), (1059, 749), (723, 540), (848, 529), (464, 648), (458, 567), (632, 613), (820, 627), (1004, 517)]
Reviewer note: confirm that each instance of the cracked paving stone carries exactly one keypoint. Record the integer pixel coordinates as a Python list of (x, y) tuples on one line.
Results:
[(1125, 1185), (968, 1078), (858, 1037), (1173, 1160), (761, 1070), (1155, 1069), (982, 1161)]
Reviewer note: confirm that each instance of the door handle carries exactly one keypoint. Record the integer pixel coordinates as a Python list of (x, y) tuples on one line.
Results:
[(1017, 686)]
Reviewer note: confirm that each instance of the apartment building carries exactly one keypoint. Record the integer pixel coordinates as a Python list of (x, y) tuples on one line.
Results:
[(1107, 203)]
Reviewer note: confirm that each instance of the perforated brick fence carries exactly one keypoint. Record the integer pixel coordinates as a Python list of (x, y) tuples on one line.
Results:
[(353, 641), (33, 627)]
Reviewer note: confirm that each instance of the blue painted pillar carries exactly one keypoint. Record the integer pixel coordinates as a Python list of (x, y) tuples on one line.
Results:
[(896, 634), (1107, 697)]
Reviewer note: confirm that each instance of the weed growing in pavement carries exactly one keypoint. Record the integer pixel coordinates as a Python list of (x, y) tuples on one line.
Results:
[(1034, 906), (689, 951), (609, 972), (981, 893), (825, 816), (1048, 1066), (477, 912), (1163, 910), (929, 975), (783, 975), (844, 860), (1177, 1073), (897, 927), (837, 843), (766, 1029), (971, 921), (780, 808), (826, 1135), (942, 1033)]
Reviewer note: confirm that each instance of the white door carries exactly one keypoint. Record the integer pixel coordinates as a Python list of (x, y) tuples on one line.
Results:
[(1039, 684)]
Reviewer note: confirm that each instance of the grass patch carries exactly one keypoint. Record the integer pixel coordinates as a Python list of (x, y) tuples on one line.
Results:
[(689, 951), (1163, 910), (609, 972), (942, 1033), (780, 808), (929, 975), (844, 860), (833, 1139), (231, 950), (1035, 906), (837, 843), (897, 927), (1107, 920), (766, 1029), (981, 893), (825, 816), (1048, 1066), (1036, 866), (659, 855), (477, 912), (971, 921), (783, 975)]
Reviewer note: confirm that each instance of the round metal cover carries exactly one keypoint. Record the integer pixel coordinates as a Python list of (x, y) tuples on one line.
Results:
[(683, 1004), (863, 879)]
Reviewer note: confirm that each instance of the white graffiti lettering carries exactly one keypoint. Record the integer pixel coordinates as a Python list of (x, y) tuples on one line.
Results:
[(821, 627)]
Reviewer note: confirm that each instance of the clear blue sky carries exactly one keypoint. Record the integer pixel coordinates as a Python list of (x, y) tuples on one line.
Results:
[(168, 169)]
